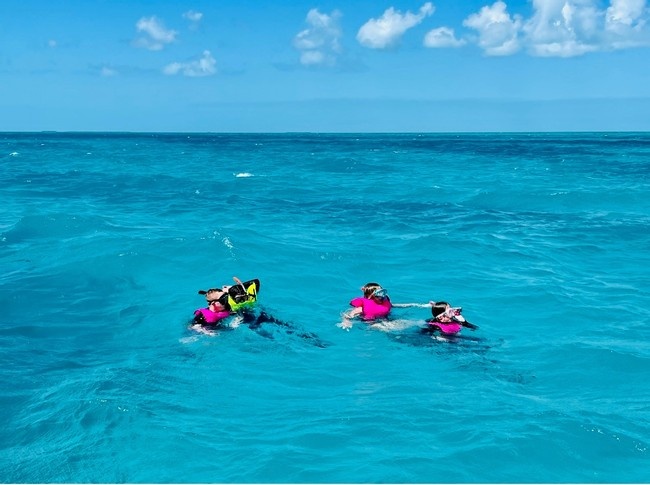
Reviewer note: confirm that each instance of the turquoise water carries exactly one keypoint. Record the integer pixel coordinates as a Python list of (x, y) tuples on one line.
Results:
[(542, 239)]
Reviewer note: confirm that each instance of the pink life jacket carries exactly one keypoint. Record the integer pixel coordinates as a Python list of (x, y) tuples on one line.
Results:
[(449, 328), (210, 316), (370, 309)]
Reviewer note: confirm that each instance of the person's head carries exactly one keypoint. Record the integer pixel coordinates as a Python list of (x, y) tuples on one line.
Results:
[(215, 299), (439, 310), (374, 290)]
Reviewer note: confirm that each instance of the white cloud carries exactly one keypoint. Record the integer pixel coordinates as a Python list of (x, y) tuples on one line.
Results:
[(563, 28), (625, 22), (107, 72), (205, 66), (319, 43), (193, 16), (498, 32), (442, 37), (157, 36), (386, 30), (312, 58), (626, 12)]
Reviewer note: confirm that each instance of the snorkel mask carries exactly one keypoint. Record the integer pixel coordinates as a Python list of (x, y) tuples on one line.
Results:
[(381, 293), (455, 314)]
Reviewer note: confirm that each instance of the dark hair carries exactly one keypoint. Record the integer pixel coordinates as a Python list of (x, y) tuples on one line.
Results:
[(370, 288), (438, 308)]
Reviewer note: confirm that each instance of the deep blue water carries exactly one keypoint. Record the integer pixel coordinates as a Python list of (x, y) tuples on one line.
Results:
[(542, 238)]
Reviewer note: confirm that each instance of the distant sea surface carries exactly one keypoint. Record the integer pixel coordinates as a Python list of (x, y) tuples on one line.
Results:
[(542, 238)]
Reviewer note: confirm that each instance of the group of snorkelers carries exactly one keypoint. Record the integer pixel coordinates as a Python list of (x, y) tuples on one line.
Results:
[(227, 300), (374, 305)]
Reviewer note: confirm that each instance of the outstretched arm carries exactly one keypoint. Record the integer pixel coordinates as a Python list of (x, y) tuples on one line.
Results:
[(408, 305)]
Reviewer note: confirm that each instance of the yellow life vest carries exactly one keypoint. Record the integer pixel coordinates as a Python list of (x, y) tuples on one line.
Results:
[(240, 298)]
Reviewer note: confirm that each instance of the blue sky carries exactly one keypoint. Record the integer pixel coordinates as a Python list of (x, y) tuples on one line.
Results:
[(329, 66)]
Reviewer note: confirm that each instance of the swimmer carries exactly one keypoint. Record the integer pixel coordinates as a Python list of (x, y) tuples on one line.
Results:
[(374, 304), (217, 309), (446, 319)]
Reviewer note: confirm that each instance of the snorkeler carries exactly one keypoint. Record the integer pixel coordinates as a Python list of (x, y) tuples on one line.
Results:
[(375, 303), (446, 319), (216, 310), (238, 301)]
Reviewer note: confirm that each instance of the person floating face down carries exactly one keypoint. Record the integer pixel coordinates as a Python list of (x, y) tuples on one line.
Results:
[(375, 303)]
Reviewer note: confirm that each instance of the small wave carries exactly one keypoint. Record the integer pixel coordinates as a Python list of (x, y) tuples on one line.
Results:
[(227, 243), (14, 154), (188, 340), (396, 325), (243, 174)]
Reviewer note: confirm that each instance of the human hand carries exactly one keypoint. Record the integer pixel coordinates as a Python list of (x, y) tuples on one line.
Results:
[(345, 324)]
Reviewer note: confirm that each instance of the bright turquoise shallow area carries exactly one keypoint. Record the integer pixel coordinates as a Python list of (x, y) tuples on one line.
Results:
[(542, 239)]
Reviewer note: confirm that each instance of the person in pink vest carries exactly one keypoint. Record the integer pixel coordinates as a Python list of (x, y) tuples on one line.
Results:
[(216, 310), (375, 303), (446, 319)]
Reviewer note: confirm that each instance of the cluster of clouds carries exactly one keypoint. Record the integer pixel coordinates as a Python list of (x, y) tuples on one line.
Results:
[(155, 36), (557, 28)]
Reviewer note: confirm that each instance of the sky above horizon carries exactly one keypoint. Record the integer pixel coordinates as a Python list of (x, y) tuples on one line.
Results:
[(332, 66)]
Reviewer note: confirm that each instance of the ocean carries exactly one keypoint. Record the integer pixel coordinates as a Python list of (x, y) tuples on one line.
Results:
[(541, 238)]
